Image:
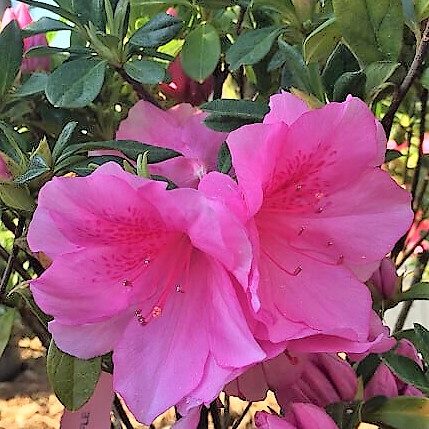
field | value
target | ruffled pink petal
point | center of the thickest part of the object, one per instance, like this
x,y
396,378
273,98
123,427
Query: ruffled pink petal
x,y
336,304
255,149
340,227
173,346
89,340
269,421
285,107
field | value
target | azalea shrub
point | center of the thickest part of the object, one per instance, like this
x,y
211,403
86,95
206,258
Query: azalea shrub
x,y
211,199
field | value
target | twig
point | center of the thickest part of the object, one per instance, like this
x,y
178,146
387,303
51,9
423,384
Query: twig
x,y
246,410
4,254
214,411
11,260
219,76
424,102
204,418
138,88
121,412
412,74
400,322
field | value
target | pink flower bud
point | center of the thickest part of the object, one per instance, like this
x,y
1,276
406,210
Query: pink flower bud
x,y
385,279
21,15
183,89
171,11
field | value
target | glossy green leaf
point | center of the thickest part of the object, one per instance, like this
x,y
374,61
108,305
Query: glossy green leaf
x,y
90,11
228,115
76,83
419,291
37,168
422,340
373,29
35,84
295,72
284,7
320,44
402,412
145,71
10,56
73,380
349,83
376,75
43,25
367,367
57,10
407,370
201,52
158,31
63,139
341,61
7,316
131,149
252,46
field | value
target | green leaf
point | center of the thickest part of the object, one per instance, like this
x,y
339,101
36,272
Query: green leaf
x,y
12,144
41,51
422,9
131,149
224,159
73,380
372,29
349,83
201,52
319,45
418,291
63,139
43,25
295,72
284,7
10,55
35,84
145,71
422,340
37,168
402,412
252,46
157,32
76,83
341,61
391,155
228,115
7,316
376,75
367,367
57,10
407,370
90,11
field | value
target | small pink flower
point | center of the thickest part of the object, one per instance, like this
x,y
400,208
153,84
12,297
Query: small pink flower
x,y
180,128
314,196
21,14
300,416
385,383
151,274
183,89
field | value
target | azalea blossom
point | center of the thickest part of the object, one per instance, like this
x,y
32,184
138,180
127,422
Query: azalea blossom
x,y
150,274
21,14
313,193
384,281
180,128
300,416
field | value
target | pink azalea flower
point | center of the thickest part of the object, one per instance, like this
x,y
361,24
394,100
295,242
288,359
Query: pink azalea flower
x,y
300,416
152,275
180,128
385,383
314,197
21,14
